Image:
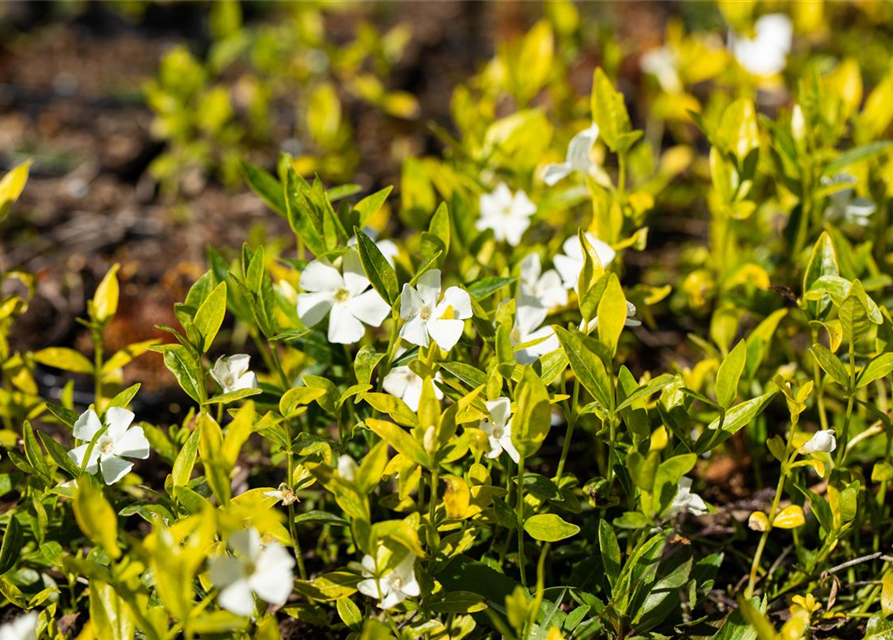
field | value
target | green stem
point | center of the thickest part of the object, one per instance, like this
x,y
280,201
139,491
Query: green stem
x,y
844,436
520,518
571,410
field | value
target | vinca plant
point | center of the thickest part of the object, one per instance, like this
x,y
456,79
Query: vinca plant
x,y
456,414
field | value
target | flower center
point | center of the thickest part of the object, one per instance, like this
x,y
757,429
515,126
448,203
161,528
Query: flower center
x,y
425,313
229,380
398,583
342,295
106,446
498,432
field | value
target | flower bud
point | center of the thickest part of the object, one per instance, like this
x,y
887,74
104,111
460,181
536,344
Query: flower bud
x,y
758,521
347,468
430,441
822,442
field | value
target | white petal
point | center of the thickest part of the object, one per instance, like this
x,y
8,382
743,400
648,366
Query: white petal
x,y
368,587
313,307
580,148
459,300
428,286
344,328
410,302
238,364
416,332
569,268
529,315
495,448
551,291
273,579
237,598
321,276
114,468
509,446
445,333
500,409
245,381
530,270
556,172
514,229
225,570
389,250
392,599
133,444
246,543
118,419
522,206
369,565
87,425
354,277
77,454
369,307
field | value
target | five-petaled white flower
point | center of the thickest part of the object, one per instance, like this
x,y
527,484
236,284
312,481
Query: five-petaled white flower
x,y
265,571
284,495
686,502
822,441
394,586
22,628
404,383
346,298
765,54
545,287
661,63
845,205
498,428
108,448
429,316
570,264
506,214
578,157
232,373
529,316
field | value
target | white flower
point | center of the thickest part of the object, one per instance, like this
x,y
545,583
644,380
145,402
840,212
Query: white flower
x,y
426,315
631,320
232,373
821,442
529,316
661,63
765,54
344,297
570,264
508,215
117,442
406,385
498,428
394,586
578,157
22,628
686,501
388,248
845,205
262,570
545,287
347,468
284,495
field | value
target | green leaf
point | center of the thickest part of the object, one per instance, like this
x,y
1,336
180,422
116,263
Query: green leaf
x,y
209,317
586,365
11,548
822,262
728,375
185,461
266,186
611,313
321,517
12,185
297,397
349,613
548,527
857,314
33,452
105,299
875,370
393,406
647,389
65,359
369,206
210,448
95,516
486,287
233,396
738,417
643,469
610,551
609,112
186,369
831,364
110,616
380,273
854,155
738,133
533,416
400,440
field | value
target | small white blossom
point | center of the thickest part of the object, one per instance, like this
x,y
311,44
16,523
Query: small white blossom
x,y
506,214
766,53
232,373
498,428
845,205
545,287
347,468
686,502
529,316
394,586
661,63
570,264
285,495
578,157
117,442
428,317
265,571
388,248
822,441
346,298
404,383
22,628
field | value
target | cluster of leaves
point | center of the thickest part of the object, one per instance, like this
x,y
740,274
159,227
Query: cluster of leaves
x,y
440,437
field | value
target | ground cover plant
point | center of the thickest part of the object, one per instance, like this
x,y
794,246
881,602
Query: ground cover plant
x,y
436,408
